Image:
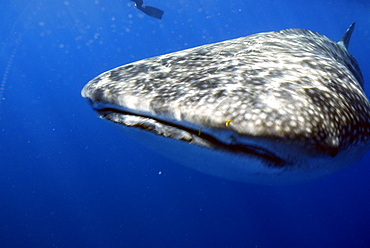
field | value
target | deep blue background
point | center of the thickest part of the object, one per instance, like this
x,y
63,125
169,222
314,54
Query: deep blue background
x,y
69,179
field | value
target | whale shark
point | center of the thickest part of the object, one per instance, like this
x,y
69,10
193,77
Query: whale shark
x,y
271,108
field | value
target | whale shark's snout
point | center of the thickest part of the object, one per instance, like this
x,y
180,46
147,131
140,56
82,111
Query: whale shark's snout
x,y
273,108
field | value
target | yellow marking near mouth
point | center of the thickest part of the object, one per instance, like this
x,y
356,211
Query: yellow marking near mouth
x,y
199,131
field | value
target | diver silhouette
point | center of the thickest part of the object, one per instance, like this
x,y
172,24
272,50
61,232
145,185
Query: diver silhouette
x,y
149,10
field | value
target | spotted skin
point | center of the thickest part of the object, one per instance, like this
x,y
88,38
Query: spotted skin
x,y
292,86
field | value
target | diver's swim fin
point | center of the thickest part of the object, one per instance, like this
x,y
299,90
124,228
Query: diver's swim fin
x,y
138,2
149,10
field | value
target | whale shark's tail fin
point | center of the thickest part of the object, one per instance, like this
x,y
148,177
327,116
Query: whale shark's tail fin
x,y
347,36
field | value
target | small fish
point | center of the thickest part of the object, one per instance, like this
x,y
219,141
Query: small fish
x,y
149,10
270,108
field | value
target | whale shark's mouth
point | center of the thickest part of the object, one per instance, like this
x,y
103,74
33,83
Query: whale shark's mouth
x,y
205,137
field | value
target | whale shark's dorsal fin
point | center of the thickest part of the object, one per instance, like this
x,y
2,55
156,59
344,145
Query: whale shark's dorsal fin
x,y
347,36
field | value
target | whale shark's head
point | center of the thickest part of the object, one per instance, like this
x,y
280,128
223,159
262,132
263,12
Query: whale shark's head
x,y
273,108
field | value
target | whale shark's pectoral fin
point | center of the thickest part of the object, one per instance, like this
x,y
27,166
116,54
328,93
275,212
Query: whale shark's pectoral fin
x,y
347,36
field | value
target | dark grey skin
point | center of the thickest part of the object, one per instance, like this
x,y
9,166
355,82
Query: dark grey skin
x,y
271,108
149,10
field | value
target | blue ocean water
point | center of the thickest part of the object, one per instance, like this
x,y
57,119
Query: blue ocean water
x,y
69,179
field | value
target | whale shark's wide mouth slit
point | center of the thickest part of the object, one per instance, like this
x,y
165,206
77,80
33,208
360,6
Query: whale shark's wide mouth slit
x,y
199,137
